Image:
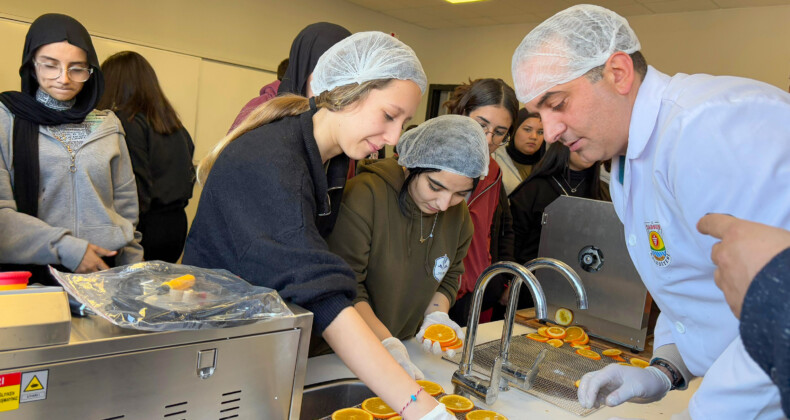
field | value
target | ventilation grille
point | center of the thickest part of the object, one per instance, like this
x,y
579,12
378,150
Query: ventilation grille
x,y
229,407
176,411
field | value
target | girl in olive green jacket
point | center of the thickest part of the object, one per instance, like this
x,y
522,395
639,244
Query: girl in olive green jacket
x,y
404,229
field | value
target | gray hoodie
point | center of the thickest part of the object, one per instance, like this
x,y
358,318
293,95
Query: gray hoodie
x,y
96,203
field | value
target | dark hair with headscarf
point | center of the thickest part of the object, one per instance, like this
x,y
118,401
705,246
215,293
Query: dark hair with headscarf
x,y
307,47
29,114
514,153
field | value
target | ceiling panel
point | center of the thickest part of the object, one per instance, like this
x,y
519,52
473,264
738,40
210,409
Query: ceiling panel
x,y
438,14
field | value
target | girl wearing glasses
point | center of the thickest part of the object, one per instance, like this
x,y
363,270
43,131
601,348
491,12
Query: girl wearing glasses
x,y
67,191
493,104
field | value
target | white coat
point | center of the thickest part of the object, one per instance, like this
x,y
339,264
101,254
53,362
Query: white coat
x,y
700,144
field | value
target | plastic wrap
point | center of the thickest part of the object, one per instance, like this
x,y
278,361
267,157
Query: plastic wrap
x,y
159,296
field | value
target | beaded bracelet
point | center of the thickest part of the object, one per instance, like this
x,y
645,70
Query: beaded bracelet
x,y
412,398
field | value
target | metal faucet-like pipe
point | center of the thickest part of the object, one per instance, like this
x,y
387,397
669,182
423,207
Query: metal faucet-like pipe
x,y
520,275
567,272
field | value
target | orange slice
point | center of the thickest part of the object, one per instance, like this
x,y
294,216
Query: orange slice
x,y
484,415
457,344
378,408
351,414
584,340
555,332
578,381
639,362
542,331
441,333
432,388
625,364
611,352
396,418
618,359
457,403
574,334
580,346
588,354
555,342
563,316
537,337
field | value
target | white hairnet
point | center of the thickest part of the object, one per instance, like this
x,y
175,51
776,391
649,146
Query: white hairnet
x,y
452,143
367,56
566,46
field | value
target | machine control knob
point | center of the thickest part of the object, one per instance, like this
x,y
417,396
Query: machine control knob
x,y
591,259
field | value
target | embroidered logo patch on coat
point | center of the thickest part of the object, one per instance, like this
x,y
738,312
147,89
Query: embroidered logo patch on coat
x,y
440,267
658,249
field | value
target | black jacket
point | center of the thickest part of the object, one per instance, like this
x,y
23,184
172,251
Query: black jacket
x,y
162,165
257,218
765,323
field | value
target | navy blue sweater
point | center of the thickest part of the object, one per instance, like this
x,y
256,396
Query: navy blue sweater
x,y
765,323
257,219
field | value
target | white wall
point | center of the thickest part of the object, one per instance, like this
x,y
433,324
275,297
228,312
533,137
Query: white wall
x,y
212,57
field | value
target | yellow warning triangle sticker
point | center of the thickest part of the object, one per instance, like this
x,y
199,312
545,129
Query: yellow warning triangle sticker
x,y
34,385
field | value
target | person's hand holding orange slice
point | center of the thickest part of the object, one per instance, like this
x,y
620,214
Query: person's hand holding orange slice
x,y
440,334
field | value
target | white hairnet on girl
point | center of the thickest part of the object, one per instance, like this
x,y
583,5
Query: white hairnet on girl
x,y
566,46
452,143
367,56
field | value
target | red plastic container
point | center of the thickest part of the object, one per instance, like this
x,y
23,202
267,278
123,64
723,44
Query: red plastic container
x,y
14,280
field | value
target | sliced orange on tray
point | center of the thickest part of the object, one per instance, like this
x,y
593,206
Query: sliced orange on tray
x,y
432,388
378,408
542,331
441,333
612,352
584,340
351,414
537,337
555,342
639,362
574,334
563,316
577,383
484,415
555,332
590,354
457,403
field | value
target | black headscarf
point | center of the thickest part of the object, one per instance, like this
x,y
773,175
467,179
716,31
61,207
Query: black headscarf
x,y
29,114
517,156
307,47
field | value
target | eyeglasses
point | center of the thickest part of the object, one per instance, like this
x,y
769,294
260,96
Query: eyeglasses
x,y
52,72
498,137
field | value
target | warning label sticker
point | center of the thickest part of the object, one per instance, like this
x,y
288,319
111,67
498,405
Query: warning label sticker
x,y
34,386
9,391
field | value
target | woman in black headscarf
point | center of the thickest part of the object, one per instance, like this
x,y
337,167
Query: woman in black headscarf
x,y
67,191
520,155
306,48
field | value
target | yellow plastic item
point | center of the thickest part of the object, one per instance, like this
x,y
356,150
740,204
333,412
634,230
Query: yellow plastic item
x,y
180,283
351,414
13,286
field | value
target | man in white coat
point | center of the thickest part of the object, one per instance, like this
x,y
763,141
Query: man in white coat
x,y
681,147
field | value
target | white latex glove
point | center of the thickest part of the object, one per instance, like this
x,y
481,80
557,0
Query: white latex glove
x,y
433,346
401,355
616,384
438,413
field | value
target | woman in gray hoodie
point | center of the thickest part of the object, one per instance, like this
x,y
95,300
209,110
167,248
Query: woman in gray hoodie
x,y
67,191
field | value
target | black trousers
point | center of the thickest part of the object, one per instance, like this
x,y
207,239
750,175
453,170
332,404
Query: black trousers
x,y
164,234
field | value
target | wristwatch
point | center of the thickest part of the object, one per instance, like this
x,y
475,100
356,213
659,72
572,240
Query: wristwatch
x,y
677,379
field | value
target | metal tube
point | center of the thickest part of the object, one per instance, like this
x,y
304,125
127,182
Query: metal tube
x,y
567,272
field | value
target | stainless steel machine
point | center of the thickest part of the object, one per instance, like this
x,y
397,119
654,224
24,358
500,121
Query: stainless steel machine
x,y
588,236
255,371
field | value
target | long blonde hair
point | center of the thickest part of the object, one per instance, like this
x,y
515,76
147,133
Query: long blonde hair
x,y
289,105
